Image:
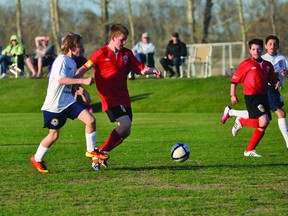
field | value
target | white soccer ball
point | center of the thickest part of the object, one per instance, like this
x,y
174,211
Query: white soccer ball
x,y
180,152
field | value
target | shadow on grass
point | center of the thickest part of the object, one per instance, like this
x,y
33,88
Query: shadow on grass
x,y
97,107
197,167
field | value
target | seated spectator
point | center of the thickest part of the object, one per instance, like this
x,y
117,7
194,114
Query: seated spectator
x,y
144,51
9,53
44,56
174,50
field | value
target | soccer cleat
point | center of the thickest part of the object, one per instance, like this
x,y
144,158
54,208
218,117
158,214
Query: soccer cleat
x,y
40,166
236,127
252,153
96,153
104,163
95,164
225,115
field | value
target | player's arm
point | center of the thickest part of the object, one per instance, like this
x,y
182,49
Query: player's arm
x,y
234,99
151,71
76,81
83,69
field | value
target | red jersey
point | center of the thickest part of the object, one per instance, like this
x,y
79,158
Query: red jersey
x,y
255,76
110,71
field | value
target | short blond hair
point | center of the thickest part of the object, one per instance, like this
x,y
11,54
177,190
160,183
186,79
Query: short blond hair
x,y
71,41
118,29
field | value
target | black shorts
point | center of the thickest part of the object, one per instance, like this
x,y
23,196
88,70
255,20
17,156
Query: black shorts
x,y
118,111
257,105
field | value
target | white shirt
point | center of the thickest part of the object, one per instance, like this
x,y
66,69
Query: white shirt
x,y
279,63
144,48
59,97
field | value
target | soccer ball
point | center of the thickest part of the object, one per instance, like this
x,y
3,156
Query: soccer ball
x,y
180,152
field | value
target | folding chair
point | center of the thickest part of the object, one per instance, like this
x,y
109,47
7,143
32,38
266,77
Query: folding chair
x,y
201,57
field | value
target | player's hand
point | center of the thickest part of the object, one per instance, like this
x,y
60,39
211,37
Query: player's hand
x,y
234,99
88,81
278,85
157,73
283,73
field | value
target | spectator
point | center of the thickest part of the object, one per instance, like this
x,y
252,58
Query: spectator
x,y
9,53
144,51
174,51
44,56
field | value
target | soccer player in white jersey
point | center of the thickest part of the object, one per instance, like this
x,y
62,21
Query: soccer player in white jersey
x,y
60,103
275,100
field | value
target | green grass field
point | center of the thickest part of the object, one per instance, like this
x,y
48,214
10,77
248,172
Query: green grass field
x,y
142,178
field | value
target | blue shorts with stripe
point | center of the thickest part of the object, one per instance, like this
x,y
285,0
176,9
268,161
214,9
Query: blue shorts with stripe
x,y
274,98
58,120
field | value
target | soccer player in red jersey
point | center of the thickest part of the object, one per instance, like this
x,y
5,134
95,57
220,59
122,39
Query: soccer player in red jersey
x,y
254,74
112,64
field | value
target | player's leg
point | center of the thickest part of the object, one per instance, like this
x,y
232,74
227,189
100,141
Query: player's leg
x,y
281,114
257,136
229,112
123,116
80,112
38,159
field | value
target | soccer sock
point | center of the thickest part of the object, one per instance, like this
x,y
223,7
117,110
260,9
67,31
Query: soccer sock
x,y
91,141
283,128
239,113
113,140
249,122
255,139
40,153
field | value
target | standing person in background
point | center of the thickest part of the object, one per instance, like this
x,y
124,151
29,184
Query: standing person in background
x,y
174,51
44,56
9,53
144,52
112,64
60,104
255,74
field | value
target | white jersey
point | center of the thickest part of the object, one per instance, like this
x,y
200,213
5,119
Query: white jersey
x,y
279,63
59,97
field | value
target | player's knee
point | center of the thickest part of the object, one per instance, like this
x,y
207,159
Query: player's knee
x,y
91,120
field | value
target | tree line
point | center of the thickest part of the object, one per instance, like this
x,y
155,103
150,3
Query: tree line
x,y
196,21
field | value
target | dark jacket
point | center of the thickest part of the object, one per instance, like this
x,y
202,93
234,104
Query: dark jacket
x,y
177,50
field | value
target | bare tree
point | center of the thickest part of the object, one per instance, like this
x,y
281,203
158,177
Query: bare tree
x,y
207,18
55,23
191,20
242,25
273,16
18,19
105,18
131,22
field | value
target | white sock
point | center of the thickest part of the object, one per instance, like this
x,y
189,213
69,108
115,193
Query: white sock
x,y
283,128
239,113
40,153
91,141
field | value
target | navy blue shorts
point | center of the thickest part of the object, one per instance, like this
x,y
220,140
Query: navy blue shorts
x,y
257,105
118,111
57,120
275,99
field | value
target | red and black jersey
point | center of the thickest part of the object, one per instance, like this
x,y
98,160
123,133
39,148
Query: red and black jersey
x,y
110,71
255,76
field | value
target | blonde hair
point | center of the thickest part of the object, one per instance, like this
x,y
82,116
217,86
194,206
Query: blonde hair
x,y
118,29
71,41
